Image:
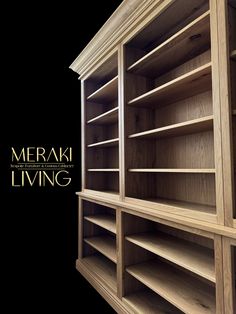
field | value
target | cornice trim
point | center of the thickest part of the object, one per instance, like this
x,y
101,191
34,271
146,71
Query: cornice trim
x,y
112,32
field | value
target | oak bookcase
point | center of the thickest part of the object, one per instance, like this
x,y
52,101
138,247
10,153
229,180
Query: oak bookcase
x,y
157,213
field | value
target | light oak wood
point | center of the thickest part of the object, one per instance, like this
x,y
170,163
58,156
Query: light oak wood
x,y
103,170
229,264
149,302
216,101
104,244
107,117
187,294
176,49
163,215
106,93
173,170
107,143
107,294
193,257
158,146
103,268
107,222
188,127
192,83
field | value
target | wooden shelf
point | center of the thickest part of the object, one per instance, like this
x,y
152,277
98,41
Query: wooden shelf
x,y
106,93
148,302
104,244
186,293
184,205
195,258
189,84
103,268
108,117
176,49
233,55
178,129
162,170
103,170
107,222
107,143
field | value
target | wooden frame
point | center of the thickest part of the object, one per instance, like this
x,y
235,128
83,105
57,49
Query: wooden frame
x,y
158,145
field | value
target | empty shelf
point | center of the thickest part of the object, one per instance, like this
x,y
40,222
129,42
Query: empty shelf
x,y
106,93
189,84
149,302
162,170
184,205
104,244
176,49
104,170
191,256
233,55
107,222
186,293
103,268
183,128
107,117
107,143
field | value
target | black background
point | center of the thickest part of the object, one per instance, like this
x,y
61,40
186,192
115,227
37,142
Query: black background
x,y
41,107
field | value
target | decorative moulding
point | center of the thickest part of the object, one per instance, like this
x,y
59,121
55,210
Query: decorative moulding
x,y
122,21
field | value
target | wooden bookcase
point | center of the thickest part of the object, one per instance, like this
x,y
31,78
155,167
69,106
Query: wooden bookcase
x,y
157,213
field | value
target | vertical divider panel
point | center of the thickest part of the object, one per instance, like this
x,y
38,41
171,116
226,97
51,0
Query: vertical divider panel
x,y
80,229
216,111
120,252
83,167
226,111
121,119
229,295
218,247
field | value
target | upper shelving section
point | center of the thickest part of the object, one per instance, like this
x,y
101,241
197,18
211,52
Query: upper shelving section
x,y
102,128
186,85
106,93
171,39
194,36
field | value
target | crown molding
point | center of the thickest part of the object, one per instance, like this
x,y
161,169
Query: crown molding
x,y
122,21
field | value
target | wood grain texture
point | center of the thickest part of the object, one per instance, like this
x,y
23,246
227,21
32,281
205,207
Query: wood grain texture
x,y
107,222
107,93
162,213
103,268
190,256
229,266
183,128
217,112
187,294
146,301
104,244
192,83
108,117
109,295
176,49
218,250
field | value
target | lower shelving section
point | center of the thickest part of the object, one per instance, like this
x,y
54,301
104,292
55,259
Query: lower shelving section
x,y
146,301
147,266
104,244
103,268
186,293
193,257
